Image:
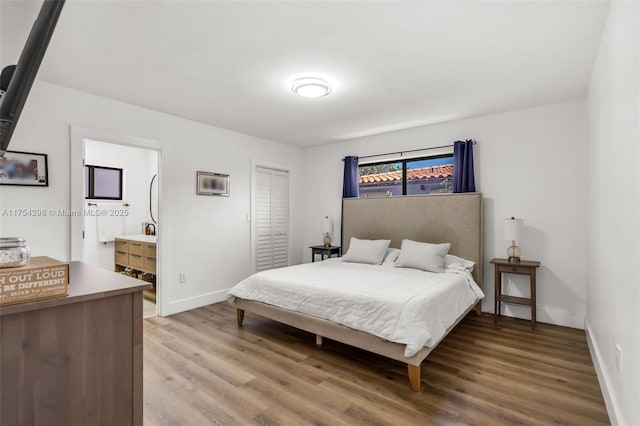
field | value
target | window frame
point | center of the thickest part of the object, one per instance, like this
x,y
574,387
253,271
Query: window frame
x,y
404,162
90,191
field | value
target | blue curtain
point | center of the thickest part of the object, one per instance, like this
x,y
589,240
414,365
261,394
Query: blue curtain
x,y
463,178
351,182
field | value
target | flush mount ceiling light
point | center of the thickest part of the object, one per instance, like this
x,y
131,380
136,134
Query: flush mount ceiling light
x,y
311,87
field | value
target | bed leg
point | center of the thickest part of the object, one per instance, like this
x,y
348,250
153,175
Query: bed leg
x,y
479,309
318,340
240,316
414,377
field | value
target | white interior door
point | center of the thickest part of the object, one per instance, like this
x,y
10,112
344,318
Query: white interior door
x,y
271,218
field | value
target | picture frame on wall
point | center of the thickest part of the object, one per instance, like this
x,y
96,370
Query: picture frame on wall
x,y
215,184
24,169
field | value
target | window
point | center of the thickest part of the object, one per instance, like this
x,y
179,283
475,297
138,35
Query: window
x,y
416,176
103,183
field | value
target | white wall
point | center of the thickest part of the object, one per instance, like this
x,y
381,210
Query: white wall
x,y
138,166
151,195
529,164
205,237
613,277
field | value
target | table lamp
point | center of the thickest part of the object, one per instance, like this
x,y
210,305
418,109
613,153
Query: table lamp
x,y
327,228
512,230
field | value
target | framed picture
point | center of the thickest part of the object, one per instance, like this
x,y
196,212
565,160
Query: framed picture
x,y
24,168
213,184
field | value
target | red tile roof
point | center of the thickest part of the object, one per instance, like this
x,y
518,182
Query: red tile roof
x,y
444,170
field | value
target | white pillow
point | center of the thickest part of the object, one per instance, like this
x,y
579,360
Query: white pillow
x,y
392,255
425,256
452,261
366,251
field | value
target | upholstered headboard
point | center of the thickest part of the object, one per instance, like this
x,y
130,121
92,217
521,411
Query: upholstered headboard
x,y
441,218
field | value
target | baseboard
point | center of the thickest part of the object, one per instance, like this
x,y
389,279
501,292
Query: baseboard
x,y
546,315
605,384
558,317
196,301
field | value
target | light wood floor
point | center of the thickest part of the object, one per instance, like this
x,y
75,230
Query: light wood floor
x,y
201,369
148,308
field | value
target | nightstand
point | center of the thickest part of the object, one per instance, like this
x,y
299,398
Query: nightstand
x,y
524,267
325,251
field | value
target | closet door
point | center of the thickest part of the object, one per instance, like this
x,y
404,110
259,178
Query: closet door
x,y
272,218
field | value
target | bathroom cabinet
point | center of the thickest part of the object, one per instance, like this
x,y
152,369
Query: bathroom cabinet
x,y
138,253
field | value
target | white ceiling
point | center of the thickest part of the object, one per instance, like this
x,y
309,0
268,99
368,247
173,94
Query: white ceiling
x,y
392,65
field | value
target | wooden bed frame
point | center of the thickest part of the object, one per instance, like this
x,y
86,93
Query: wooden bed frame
x,y
452,218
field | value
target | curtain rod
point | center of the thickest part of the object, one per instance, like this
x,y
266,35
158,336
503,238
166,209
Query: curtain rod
x,y
411,150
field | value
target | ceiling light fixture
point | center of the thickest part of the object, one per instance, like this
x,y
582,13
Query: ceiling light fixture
x,y
311,87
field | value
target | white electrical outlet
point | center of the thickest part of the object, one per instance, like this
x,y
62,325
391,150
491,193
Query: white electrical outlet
x,y
183,277
618,357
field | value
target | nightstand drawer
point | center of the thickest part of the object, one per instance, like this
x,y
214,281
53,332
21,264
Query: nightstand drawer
x,y
136,248
514,269
136,260
121,258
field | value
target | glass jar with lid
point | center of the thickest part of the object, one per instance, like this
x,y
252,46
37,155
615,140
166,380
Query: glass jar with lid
x,y
13,252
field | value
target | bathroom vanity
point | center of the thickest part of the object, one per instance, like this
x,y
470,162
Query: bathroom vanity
x,y
137,253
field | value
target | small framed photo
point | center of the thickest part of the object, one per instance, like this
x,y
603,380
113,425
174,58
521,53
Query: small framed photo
x,y
24,169
213,184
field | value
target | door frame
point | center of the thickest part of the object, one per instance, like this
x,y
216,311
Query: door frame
x,y
78,135
252,234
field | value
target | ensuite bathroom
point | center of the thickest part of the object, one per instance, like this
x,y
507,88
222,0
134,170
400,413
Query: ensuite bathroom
x,y
120,227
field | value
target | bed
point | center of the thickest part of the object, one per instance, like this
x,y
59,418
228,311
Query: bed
x,y
452,218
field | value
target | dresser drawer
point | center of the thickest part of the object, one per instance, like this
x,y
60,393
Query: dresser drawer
x,y
150,264
136,248
121,258
136,260
122,246
150,250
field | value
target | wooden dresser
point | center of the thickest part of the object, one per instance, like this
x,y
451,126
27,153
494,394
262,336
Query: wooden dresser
x,y
75,360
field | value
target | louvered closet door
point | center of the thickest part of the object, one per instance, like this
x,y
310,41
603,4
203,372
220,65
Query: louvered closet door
x,y
272,218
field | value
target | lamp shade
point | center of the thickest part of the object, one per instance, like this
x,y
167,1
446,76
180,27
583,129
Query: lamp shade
x,y
512,229
327,225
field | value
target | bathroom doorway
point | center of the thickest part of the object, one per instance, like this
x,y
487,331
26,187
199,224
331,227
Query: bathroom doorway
x,y
119,200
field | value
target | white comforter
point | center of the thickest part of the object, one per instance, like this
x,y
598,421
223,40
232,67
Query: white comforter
x,y
401,305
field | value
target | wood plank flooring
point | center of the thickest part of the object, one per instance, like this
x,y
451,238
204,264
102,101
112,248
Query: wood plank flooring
x,y
200,369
